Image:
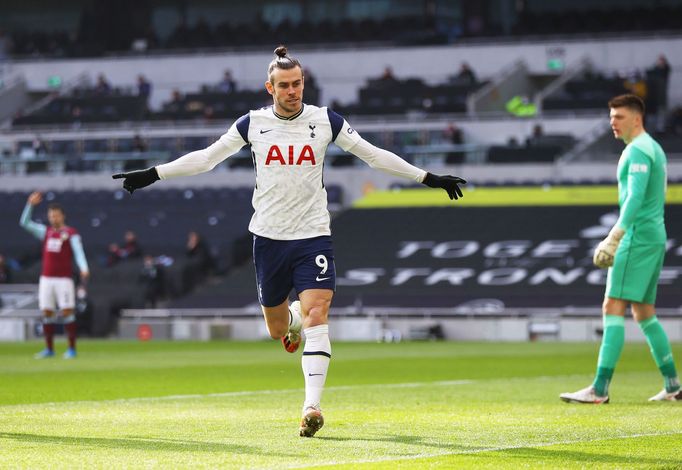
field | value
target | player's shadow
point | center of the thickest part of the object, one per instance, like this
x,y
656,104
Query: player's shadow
x,y
560,457
141,443
403,439
524,454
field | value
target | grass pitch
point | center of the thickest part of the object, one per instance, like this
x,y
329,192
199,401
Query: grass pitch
x,y
407,405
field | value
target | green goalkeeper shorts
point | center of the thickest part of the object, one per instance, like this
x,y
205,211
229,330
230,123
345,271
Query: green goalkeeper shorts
x,y
635,272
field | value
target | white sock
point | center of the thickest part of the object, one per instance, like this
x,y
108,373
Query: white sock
x,y
295,320
315,361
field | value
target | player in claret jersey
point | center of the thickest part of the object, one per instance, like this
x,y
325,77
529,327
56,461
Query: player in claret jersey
x,y
61,244
292,246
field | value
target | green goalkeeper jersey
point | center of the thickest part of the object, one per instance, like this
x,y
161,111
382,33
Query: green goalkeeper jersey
x,y
641,190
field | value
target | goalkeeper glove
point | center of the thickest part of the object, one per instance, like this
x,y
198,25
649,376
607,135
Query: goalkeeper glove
x,y
606,250
447,182
137,179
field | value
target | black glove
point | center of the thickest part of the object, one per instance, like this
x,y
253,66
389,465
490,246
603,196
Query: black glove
x,y
137,179
447,182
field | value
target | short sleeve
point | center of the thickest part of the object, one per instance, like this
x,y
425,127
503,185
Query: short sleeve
x,y
342,134
237,135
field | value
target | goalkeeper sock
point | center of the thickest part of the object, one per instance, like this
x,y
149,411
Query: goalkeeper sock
x,y
661,351
315,361
609,353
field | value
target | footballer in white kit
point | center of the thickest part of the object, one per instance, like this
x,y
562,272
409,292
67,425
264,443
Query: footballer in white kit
x,y
291,224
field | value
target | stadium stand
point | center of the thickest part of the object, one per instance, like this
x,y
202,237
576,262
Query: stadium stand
x,y
105,30
63,134
588,92
402,96
161,219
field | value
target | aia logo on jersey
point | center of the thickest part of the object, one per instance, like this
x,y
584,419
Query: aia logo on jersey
x,y
276,156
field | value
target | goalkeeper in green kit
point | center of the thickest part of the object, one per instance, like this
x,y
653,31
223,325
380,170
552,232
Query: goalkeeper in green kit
x,y
633,251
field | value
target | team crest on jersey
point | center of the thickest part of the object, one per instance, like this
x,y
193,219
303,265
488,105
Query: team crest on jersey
x,y
312,131
64,236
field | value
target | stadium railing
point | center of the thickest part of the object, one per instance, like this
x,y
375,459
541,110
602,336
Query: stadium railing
x,y
18,311
91,161
357,323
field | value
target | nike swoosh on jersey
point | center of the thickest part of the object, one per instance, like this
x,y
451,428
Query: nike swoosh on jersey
x,y
318,278
265,131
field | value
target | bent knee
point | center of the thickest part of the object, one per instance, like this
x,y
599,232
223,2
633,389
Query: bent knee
x,y
612,306
277,329
317,315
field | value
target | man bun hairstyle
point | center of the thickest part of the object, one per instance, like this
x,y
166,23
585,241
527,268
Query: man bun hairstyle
x,y
282,61
630,101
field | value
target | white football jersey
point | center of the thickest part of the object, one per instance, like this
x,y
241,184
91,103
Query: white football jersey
x,y
289,198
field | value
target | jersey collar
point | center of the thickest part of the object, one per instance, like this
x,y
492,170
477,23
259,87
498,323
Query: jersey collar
x,y
289,118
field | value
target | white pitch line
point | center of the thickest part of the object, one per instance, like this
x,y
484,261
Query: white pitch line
x,y
484,450
442,383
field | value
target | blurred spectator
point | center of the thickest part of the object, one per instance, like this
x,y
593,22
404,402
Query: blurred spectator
x,y
465,76
175,105
208,114
199,261
385,81
144,87
128,250
112,254
39,146
636,84
538,132
310,80
676,121
76,116
152,276
512,142
198,250
454,135
387,75
5,273
312,91
658,77
227,84
102,87
139,144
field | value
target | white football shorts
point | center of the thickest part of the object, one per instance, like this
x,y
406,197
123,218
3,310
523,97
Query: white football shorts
x,y
56,292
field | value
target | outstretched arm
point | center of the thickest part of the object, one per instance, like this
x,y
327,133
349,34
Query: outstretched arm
x,y
193,163
386,161
34,228
199,161
345,137
391,163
